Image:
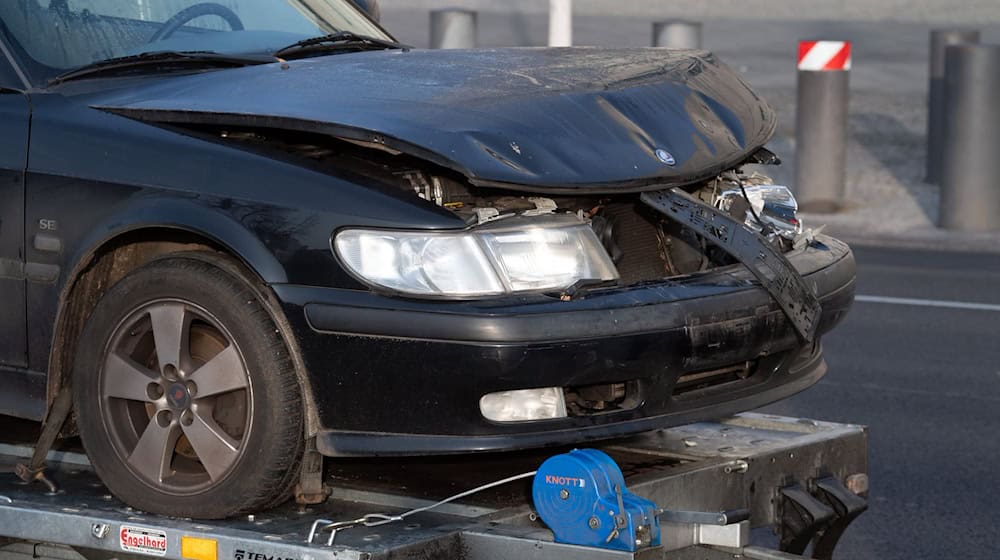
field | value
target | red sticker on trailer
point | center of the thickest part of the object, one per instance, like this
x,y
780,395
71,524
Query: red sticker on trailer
x,y
141,540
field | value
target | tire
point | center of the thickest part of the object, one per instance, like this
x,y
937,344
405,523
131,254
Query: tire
x,y
212,428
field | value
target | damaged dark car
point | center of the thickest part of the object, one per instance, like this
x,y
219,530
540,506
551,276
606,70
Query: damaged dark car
x,y
244,234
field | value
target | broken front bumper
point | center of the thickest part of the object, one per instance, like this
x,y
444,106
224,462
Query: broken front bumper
x,y
405,377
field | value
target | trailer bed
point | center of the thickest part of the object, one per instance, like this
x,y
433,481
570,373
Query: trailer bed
x,y
740,462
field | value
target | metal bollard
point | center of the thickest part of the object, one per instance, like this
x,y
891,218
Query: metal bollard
x,y
821,125
970,178
940,40
453,28
677,34
560,23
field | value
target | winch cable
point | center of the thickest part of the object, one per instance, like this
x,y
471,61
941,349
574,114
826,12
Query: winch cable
x,y
379,519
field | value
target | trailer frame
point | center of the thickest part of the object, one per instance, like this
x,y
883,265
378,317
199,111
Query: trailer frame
x,y
776,467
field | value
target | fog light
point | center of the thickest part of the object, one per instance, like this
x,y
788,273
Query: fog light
x,y
522,405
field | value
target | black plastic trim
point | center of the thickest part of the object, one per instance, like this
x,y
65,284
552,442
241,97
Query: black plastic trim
x,y
762,259
334,443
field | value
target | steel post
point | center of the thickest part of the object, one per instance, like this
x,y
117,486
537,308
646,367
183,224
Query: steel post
x,y
970,179
560,23
677,34
821,125
453,28
940,39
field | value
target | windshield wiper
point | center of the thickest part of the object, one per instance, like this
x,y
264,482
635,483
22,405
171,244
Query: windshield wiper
x,y
161,59
339,41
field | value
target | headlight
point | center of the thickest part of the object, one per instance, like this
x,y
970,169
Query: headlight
x,y
486,261
774,204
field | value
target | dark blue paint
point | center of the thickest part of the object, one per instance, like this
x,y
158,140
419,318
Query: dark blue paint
x,y
582,118
13,154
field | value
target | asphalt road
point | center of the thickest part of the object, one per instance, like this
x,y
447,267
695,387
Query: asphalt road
x,y
926,380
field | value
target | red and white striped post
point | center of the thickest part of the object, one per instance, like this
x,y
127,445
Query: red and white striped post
x,y
821,125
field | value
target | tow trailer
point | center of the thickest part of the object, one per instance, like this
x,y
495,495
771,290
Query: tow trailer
x,y
751,486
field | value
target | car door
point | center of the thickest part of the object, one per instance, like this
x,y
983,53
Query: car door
x,y
14,114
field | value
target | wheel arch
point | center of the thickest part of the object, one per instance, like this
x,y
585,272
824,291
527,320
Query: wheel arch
x,y
137,236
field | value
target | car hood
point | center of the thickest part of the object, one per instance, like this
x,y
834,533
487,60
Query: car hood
x,y
542,119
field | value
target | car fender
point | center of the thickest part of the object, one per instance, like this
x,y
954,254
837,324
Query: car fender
x,y
190,215
185,214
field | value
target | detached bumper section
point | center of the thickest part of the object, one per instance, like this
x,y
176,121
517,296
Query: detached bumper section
x,y
405,377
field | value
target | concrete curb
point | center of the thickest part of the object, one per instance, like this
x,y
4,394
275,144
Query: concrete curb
x,y
923,239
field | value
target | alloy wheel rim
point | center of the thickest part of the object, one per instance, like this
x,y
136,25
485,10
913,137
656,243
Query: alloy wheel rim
x,y
176,397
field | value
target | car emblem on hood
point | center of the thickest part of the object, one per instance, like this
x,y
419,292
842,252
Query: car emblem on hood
x,y
665,157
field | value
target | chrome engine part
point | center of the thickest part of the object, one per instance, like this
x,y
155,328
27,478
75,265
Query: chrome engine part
x,y
767,208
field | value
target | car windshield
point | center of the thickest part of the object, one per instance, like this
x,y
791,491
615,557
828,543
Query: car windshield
x,y
51,37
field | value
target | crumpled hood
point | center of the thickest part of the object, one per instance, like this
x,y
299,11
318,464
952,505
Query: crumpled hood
x,y
549,119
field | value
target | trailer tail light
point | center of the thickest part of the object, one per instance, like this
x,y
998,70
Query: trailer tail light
x,y
194,548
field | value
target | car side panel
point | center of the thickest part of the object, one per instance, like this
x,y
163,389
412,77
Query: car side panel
x,y
14,118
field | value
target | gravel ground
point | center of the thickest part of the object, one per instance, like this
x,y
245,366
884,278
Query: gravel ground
x,y
888,201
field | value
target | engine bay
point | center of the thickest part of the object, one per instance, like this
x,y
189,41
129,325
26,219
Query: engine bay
x,y
643,244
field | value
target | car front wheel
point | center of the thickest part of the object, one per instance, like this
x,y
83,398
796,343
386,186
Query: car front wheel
x,y
187,401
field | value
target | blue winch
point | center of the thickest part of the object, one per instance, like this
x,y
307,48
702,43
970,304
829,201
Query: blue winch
x,y
581,496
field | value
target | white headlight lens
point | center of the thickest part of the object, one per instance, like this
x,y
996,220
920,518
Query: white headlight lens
x,y
476,263
550,258
520,406
417,263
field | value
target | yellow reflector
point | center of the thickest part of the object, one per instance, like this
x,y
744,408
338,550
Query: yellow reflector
x,y
193,548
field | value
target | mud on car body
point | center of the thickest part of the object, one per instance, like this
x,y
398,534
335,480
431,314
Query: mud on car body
x,y
238,233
